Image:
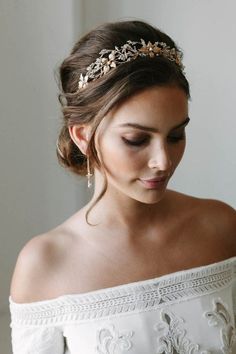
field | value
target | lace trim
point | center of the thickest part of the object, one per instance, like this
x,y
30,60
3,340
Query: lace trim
x,y
133,297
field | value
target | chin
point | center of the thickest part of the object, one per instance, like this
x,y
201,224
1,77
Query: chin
x,y
145,196
153,201
150,198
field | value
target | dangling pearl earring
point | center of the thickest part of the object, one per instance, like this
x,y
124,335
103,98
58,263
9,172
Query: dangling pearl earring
x,y
89,174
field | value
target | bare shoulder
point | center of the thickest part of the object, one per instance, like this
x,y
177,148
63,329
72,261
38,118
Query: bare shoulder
x,y
210,220
216,211
219,217
36,267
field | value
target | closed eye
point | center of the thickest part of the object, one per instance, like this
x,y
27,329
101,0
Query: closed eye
x,y
137,142
177,138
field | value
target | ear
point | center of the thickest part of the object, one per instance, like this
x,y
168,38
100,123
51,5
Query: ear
x,y
80,135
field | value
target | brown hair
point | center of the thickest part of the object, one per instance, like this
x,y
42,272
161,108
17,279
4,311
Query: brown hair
x,y
91,104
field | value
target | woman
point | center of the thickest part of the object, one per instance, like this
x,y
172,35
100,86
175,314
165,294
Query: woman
x,y
140,268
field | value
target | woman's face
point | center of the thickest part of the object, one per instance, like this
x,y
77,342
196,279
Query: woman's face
x,y
144,139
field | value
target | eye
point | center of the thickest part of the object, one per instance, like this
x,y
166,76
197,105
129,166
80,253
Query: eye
x,y
176,138
136,142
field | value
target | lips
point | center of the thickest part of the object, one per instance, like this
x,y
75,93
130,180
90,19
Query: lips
x,y
156,183
156,179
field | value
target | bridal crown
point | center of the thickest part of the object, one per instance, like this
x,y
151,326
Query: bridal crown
x,y
111,58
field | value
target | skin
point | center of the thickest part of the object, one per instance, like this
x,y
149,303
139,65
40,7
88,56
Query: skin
x,y
161,108
141,233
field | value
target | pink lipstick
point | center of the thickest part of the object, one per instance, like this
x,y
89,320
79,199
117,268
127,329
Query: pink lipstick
x,y
154,183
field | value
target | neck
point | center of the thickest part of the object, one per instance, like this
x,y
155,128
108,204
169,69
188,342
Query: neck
x,y
117,210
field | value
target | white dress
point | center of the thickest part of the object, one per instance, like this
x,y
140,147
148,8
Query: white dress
x,y
186,312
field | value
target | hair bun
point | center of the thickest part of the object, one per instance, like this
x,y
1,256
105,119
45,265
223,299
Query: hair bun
x,y
68,154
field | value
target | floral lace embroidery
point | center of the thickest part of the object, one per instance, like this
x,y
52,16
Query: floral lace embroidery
x,y
172,336
220,317
110,341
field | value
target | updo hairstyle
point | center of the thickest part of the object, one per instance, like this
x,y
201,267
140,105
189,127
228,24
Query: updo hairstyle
x,y
90,104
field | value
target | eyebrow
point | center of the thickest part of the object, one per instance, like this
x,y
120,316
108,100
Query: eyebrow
x,y
149,129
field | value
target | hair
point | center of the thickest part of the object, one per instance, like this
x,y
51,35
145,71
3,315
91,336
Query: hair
x,y
92,103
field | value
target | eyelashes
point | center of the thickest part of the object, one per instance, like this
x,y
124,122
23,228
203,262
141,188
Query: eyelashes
x,y
177,138
135,142
143,141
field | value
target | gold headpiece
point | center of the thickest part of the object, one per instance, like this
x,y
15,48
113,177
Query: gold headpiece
x,y
110,58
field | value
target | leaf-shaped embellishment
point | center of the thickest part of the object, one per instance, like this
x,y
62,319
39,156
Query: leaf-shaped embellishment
x,y
173,338
223,312
220,316
111,58
213,318
110,340
225,339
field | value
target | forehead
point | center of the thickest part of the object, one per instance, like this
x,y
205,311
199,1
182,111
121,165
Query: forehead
x,y
156,105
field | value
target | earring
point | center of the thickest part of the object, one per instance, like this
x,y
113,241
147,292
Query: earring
x,y
89,174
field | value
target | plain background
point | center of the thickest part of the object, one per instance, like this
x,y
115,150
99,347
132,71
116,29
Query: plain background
x,y
35,36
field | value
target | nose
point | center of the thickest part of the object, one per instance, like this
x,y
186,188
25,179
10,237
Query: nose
x,y
160,159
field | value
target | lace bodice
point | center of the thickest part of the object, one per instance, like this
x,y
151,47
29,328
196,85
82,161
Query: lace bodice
x,y
190,311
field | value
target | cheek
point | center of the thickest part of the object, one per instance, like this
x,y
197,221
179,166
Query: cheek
x,y
177,152
121,161
118,159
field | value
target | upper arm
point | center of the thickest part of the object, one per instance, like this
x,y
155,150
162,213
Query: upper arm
x,y
229,224
30,279
220,219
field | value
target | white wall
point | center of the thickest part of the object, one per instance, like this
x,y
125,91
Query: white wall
x,y
36,193
206,31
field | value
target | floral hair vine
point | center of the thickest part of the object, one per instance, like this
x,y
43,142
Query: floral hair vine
x,y
111,58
